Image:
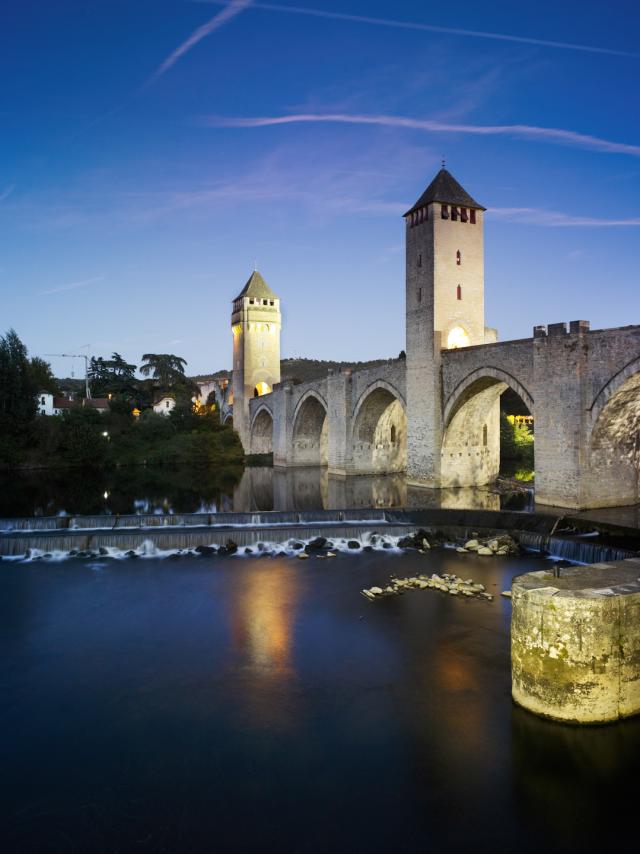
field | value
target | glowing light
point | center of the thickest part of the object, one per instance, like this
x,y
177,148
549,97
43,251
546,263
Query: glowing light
x,y
262,388
105,495
457,337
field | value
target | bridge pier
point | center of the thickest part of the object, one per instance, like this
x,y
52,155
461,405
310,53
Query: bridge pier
x,y
340,403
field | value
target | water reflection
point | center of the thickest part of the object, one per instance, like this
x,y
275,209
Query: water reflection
x,y
208,490
262,612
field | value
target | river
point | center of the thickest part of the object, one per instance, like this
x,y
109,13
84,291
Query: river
x,y
244,704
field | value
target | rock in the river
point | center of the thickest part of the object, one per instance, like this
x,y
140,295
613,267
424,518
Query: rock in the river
x,y
484,550
229,549
353,544
316,545
206,550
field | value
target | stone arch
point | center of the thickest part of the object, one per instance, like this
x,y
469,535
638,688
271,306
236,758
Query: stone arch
x,y
614,440
470,454
379,435
262,432
310,430
227,418
460,393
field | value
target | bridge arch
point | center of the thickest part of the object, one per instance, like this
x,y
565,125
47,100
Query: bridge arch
x,y
262,431
379,433
470,454
614,439
310,430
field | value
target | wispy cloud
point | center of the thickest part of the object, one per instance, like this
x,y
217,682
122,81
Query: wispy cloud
x,y
6,192
230,10
71,286
556,219
430,28
556,135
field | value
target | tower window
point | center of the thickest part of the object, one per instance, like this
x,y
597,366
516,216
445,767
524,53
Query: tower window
x,y
393,434
472,216
485,438
463,214
419,260
251,301
419,294
459,291
444,211
454,214
458,257
265,302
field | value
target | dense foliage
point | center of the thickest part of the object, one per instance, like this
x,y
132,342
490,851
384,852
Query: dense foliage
x,y
516,442
84,437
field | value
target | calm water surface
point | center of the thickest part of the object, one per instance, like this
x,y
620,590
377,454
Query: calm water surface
x,y
191,490
247,704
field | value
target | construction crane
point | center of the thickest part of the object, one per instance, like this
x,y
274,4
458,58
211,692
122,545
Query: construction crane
x,y
86,366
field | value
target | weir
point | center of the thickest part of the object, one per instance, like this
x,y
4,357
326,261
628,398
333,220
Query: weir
x,y
575,539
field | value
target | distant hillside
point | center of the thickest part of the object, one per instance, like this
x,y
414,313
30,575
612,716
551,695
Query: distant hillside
x,y
302,370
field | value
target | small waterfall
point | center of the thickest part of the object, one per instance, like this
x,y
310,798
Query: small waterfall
x,y
576,549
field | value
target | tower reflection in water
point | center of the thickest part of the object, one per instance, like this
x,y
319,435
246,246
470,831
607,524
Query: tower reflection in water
x,y
306,488
262,619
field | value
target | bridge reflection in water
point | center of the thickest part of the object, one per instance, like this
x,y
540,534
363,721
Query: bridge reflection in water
x,y
305,488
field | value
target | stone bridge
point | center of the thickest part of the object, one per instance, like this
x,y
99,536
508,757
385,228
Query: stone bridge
x,y
435,413
581,386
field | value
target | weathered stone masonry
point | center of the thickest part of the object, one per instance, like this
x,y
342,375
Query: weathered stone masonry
x,y
435,414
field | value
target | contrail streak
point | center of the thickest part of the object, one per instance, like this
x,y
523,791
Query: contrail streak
x,y
430,28
558,135
235,7
72,286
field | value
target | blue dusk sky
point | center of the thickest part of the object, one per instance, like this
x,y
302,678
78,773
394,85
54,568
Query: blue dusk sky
x,y
152,150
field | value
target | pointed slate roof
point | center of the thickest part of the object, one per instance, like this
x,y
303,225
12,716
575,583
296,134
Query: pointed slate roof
x,y
256,287
444,188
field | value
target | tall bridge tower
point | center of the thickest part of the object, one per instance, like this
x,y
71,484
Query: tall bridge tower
x,y
256,324
444,308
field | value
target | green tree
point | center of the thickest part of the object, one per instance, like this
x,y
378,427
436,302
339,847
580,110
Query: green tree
x,y
167,369
17,387
82,442
112,376
42,376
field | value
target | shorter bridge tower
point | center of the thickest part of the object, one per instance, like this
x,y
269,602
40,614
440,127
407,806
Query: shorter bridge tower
x,y
256,324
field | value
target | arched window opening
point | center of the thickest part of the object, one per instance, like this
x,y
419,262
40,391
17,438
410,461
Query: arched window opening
x,y
472,216
458,257
454,213
444,211
459,291
261,388
457,337
393,434
485,435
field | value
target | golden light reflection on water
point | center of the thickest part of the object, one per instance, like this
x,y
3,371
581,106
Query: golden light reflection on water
x,y
263,612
